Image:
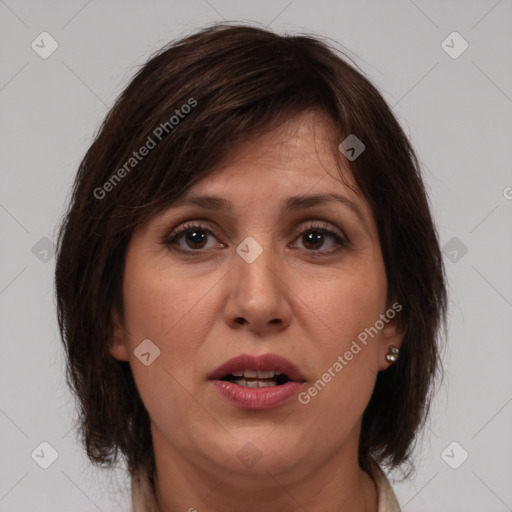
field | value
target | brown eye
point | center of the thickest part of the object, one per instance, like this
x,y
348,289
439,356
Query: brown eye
x,y
195,239
315,238
190,238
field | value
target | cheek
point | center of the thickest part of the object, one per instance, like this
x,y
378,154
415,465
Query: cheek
x,y
342,304
174,311
346,314
347,363
165,306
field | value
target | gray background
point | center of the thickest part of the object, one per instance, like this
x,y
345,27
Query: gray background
x,y
457,112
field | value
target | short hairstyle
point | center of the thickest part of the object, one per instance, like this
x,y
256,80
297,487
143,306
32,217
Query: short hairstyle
x,y
238,81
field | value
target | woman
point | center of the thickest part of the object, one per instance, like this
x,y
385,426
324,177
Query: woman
x,y
249,282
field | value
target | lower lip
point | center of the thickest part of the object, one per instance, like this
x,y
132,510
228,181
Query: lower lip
x,y
257,398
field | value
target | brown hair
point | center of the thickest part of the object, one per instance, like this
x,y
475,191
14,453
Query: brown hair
x,y
238,81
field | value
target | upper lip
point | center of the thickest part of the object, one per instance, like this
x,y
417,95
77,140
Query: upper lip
x,y
265,362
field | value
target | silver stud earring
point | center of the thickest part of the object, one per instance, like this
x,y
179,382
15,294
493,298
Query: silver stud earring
x,y
392,354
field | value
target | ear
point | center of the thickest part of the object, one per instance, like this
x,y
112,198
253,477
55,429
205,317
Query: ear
x,y
118,345
392,334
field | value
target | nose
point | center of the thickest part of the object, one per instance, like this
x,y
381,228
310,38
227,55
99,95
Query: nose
x,y
258,295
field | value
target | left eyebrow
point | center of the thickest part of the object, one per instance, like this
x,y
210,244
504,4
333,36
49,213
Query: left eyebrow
x,y
292,204
301,202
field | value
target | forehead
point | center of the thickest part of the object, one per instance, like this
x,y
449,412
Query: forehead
x,y
293,167
297,154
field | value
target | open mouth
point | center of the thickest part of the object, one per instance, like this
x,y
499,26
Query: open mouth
x,y
256,378
257,382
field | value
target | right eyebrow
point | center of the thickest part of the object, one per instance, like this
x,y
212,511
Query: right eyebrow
x,y
291,204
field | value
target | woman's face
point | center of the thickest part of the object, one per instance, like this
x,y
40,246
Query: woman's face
x,y
274,266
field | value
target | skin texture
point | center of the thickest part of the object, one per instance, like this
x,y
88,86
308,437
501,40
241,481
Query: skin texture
x,y
205,308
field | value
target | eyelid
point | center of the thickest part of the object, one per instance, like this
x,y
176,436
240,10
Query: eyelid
x,y
168,237
324,228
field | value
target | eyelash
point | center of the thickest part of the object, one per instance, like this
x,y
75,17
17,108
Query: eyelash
x,y
172,238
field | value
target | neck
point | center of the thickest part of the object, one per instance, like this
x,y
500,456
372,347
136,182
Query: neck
x,y
338,484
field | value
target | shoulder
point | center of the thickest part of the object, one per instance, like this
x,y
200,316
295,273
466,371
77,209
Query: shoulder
x,y
387,499
143,496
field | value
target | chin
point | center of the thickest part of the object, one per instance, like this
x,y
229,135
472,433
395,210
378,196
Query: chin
x,y
253,451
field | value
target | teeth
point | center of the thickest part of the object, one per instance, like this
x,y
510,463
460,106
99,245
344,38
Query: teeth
x,y
263,384
266,375
255,383
255,374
